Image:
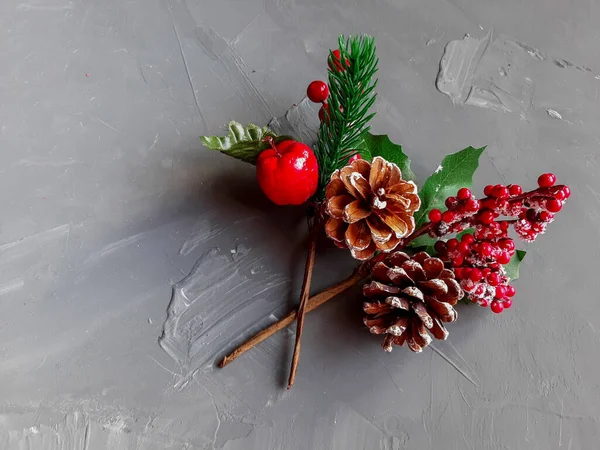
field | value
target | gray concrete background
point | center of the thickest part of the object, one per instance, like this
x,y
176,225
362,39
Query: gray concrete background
x,y
111,207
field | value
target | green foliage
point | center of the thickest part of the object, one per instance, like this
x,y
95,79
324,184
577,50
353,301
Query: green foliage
x,y
380,145
352,94
244,143
512,268
455,172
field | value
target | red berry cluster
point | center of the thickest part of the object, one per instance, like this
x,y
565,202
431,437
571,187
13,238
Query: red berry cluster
x,y
478,259
318,91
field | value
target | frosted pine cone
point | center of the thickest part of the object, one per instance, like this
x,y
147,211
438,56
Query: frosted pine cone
x,y
409,298
370,207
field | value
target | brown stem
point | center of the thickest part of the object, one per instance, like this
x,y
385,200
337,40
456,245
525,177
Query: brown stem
x,y
313,303
304,294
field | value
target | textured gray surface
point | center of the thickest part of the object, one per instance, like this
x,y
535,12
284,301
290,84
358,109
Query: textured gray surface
x,y
109,201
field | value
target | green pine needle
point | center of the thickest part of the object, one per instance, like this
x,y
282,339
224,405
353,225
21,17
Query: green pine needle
x,y
352,94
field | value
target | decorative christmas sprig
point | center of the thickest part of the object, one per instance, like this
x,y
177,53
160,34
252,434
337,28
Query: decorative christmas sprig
x,y
421,250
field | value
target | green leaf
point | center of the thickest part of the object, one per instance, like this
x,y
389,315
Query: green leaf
x,y
244,143
380,145
512,268
423,241
455,172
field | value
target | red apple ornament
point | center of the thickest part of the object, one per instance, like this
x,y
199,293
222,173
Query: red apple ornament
x,y
287,172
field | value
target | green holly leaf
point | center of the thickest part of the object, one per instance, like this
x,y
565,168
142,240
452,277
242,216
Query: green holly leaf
x,y
455,172
512,268
380,145
244,143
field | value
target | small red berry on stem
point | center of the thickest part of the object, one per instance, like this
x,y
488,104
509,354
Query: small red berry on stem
x,y
553,205
435,215
486,217
317,91
488,190
335,61
448,217
464,194
507,303
547,180
324,113
500,191
497,307
515,189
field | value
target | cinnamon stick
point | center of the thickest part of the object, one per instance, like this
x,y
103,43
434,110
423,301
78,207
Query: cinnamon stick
x,y
313,303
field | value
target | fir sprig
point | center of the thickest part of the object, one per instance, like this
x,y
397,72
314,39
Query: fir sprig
x,y
352,94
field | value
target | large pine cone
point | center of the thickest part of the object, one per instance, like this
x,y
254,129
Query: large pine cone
x,y
370,207
410,298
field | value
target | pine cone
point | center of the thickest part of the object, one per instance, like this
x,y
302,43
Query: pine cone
x,y
370,207
410,298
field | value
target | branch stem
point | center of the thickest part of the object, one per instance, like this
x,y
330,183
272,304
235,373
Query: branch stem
x,y
313,303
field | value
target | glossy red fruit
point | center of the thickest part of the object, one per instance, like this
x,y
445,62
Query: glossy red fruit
x,y
440,246
545,216
287,172
485,217
324,113
497,307
488,190
463,247
500,191
485,248
503,258
510,291
546,180
464,194
567,191
475,275
554,205
468,238
500,291
560,195
450,202
452,244
493,279
507,244
317,91
448,217
335,61
507,303
515,189
435,215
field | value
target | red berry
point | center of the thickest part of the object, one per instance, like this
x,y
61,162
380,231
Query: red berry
x,y
463,247
546,180
504,225
452,244
567,191
493,279
317,91
515,189
324,113
457,261
507,244
450,202
545,216
489,203
440,246
485,248
354,158
468,238
560,195
335,62
500,291
507,303
497,307
486,217
488,190
464,194
448,217
531,215
459,273
510,291
503,258
287,172
435,215
485,272
553,205
472,205
484,303
475,275
500,191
